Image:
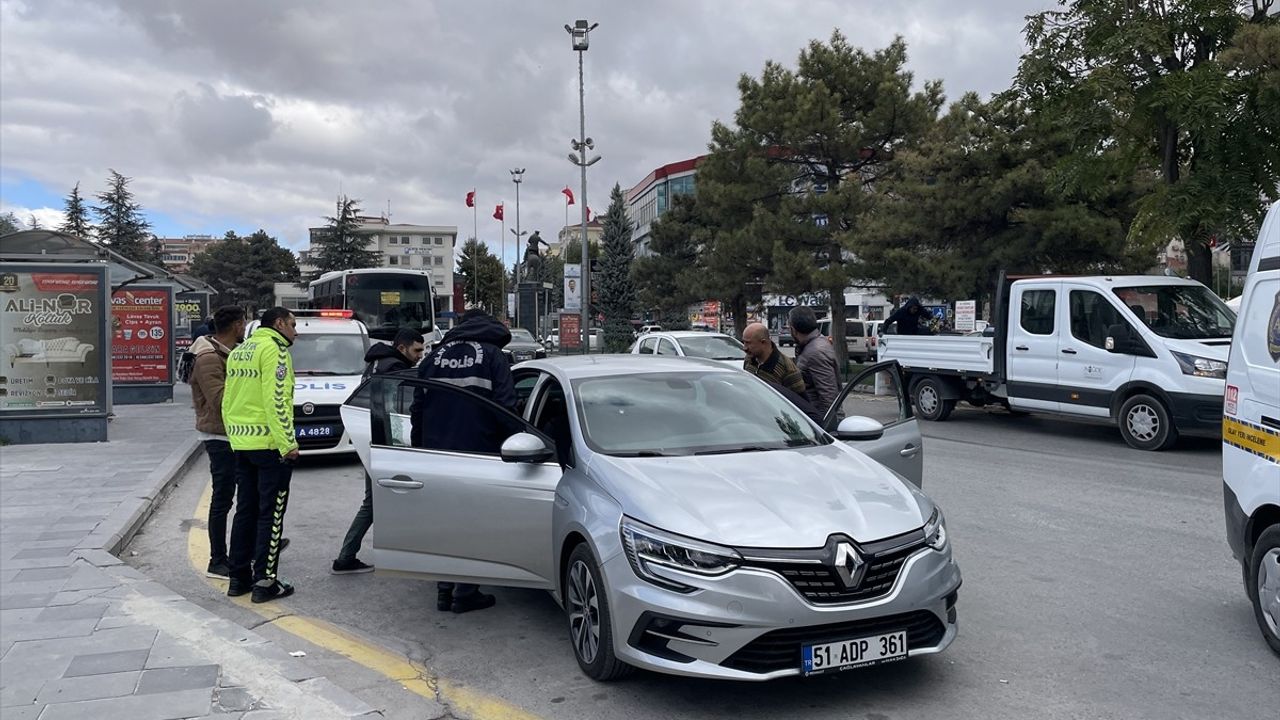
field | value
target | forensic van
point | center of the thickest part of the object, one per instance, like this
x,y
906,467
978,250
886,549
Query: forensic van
x,y
1251,433
328,362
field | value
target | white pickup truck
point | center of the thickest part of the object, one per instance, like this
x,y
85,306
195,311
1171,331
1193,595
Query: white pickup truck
x,y
1148,353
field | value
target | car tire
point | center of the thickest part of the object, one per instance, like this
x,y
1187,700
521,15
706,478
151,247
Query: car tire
x,y
590,622
1145,424
930,400
1264,590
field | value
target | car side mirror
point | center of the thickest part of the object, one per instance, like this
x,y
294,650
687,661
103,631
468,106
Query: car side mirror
x,y
526,448
1119,339
859,428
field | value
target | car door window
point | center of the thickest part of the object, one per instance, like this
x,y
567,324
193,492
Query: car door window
x,y
440,417
876,393
1037,311
524,384
551,417
1091,317
666,347
647,346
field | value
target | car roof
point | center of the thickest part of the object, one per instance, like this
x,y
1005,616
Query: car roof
x,y
677,334
574,367
326,326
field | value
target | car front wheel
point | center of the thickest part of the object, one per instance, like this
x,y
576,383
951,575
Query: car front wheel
x,y
590,623
1145,423
1264,566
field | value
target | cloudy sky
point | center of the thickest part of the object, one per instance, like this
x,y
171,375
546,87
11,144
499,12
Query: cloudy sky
x,y
242,114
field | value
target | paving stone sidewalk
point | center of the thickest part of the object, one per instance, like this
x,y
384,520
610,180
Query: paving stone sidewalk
x,y
82,635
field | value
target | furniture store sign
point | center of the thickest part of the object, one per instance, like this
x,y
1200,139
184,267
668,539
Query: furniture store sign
x,y
142,336
53,339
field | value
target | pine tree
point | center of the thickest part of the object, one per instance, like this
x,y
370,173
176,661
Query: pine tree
x,y
9,223
480,271
616,293
342,246
76,220
121,224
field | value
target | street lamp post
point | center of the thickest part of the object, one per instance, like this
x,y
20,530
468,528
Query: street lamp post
x,y
580,32
517,177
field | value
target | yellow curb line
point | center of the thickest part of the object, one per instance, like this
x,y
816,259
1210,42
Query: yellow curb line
x,y
412,676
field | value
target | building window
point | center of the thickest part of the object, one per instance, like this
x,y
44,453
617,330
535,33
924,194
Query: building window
x,y
393,260
439,260
439,241
426,240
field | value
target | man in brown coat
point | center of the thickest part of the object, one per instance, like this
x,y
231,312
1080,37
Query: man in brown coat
x,y
208,379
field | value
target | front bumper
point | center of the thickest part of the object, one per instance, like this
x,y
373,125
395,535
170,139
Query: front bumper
x,y
750,623
1197,414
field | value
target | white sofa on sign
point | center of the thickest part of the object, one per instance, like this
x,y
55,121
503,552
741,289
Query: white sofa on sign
x,y
57,350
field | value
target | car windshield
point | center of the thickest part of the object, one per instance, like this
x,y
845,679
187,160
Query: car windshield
x,y
688,413
714,347
328,354
1180,312
521,335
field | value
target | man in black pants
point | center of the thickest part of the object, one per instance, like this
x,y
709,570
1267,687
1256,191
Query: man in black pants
x,y
403,353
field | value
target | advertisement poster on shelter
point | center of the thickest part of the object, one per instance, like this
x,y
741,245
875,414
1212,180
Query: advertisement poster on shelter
x,y
142,336
191,309
52,336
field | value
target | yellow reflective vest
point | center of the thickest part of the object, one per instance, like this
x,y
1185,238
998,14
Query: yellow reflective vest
x,y
257,404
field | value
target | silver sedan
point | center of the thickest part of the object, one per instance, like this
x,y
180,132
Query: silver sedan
x,y
687,517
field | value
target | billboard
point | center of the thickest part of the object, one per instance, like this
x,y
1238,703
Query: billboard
x,y
53,340
191,308
572,286
142,336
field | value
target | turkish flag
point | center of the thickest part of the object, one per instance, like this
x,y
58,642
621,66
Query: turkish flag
x,y
497,212
568,194
471,199
588,213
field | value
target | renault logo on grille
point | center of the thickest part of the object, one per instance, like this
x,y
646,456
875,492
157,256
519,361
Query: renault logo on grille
x,y
848,564
308,408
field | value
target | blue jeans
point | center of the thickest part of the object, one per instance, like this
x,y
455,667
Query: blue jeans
x,y
222,469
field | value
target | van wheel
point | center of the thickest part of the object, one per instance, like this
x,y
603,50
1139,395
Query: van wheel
x,y
1264,566
590,622
1145,424
930,402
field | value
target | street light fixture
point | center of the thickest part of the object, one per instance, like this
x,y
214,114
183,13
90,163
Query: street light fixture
x,y
580,33
517,177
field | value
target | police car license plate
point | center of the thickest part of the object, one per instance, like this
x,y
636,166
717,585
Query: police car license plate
x,y
314,432
856,653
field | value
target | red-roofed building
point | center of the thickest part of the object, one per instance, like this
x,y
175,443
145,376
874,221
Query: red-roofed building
x,y
652,196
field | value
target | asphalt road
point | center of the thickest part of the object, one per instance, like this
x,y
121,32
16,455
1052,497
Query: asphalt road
x,y
1098,584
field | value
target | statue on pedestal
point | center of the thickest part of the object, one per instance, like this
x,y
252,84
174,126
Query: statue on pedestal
x,y
533,259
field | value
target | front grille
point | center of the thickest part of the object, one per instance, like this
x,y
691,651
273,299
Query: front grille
x,y
820,585
780,649
330,415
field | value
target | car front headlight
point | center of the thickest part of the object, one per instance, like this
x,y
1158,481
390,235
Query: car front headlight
x,y
935,531
650,549
1201,367
540,353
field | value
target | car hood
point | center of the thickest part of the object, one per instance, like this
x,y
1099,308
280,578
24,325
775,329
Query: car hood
x,y
775,499
324,389
1212,349
522,346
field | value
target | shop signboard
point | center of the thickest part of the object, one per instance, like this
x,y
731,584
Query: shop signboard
x,y
191,309
142,336
53,340
966,315
570,331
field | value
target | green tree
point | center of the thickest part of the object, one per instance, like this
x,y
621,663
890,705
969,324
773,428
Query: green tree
x,y
76,215
341,245
33,222
834,123
1143,86
9,223
480,272
121,224
245,270
666,276
978,195
616,293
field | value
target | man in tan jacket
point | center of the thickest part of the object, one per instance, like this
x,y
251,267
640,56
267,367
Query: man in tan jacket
x,y
208,379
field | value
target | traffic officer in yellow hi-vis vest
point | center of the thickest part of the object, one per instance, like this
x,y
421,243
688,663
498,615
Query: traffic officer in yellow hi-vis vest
x,y
257,409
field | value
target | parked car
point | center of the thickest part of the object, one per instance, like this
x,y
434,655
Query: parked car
x,y
688,518
1251,433
552,340
859,337
650,328
523,346
691,343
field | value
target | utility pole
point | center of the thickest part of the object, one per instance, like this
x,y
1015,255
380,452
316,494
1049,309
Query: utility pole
x,y
580,32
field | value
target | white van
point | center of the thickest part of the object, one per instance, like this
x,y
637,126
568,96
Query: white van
x,y
328,362
1251,433
1148,353
859,337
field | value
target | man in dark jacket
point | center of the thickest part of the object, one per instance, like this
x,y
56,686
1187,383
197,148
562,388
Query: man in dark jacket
x,y
908,317
469,357
403,353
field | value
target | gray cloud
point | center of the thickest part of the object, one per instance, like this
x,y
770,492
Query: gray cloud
x,y
262,112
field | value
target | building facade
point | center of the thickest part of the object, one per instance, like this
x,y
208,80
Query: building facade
x,y
572,234
651,197
179,253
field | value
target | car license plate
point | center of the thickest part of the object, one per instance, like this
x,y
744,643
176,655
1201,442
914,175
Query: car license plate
x,y
856,653
315,432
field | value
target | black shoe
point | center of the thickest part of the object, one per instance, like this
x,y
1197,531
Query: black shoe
x,y
274,591
444,600
218,569
284,543
238,587
474,601
350,567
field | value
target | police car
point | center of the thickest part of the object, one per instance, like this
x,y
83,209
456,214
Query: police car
x,y
328,361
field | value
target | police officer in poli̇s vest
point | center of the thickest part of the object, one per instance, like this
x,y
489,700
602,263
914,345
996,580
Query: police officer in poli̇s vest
x,y
257,409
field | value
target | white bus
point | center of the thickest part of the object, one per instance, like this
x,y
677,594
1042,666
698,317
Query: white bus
x,y
384,299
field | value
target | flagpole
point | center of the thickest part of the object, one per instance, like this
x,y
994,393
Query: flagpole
x,y
475,233
504,262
